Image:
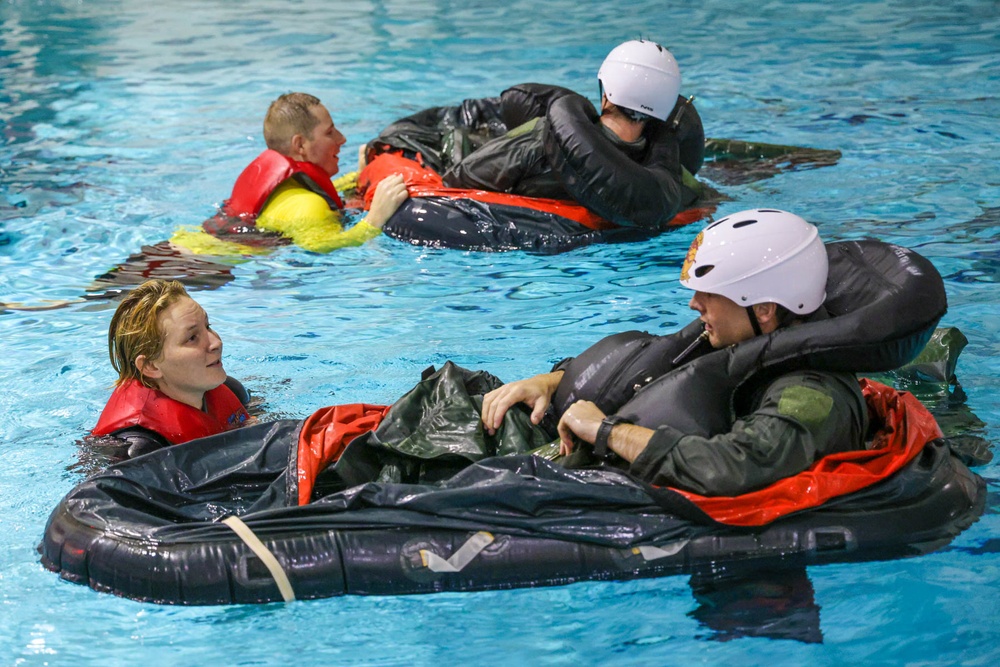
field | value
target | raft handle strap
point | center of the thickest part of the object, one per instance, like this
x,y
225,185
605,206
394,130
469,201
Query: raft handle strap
x,y
270,562
472,548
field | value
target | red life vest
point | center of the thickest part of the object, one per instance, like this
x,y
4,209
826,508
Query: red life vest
x,y
133,404
267,172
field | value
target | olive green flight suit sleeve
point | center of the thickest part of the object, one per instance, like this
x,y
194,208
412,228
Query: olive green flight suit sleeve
x,y
800,417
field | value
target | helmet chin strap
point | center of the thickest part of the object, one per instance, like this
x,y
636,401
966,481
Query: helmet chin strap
x,y
753,321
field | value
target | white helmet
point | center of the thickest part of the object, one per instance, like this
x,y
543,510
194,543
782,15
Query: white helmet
x,y
641,76
759,256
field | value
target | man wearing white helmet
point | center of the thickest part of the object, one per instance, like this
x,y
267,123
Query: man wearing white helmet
x,y
753,273
638,80
642,116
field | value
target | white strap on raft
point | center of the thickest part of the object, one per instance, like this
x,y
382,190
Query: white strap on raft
x,y
652,553
264,554
472,548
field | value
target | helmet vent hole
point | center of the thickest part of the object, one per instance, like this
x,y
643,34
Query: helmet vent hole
x,y
716,224
744,223
702,270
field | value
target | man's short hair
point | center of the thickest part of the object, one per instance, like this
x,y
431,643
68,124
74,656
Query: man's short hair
x,y
287,116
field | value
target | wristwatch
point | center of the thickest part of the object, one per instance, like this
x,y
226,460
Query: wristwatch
x,y
601,449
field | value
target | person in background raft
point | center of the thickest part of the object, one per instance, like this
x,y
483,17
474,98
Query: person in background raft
x,y
642,117
171,384
287,189
753,273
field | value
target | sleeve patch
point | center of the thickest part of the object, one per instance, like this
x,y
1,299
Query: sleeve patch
x,y
807,405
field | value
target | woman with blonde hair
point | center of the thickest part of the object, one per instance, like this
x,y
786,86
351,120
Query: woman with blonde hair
x,y
171,384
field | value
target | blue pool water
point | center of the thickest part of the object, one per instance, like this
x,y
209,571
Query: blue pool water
x,y
122,120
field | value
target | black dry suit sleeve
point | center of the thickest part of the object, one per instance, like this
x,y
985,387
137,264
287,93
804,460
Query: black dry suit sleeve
x,y
442,136
141,441
605,180
521,103
237,388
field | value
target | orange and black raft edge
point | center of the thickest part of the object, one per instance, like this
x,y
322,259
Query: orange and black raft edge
x,y
158,528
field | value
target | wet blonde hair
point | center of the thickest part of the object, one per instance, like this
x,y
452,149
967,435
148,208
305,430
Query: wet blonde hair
x,y
287,116
135,328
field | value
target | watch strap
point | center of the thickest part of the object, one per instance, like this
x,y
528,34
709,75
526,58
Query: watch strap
x,y
601,449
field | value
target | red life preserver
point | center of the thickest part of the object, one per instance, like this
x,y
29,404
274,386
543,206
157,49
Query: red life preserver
x,y
267,172
256,184
133,404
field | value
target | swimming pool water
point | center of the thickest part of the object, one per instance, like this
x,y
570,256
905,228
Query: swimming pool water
x,y
122,120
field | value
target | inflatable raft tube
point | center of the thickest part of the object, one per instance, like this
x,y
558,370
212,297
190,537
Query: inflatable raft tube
x,y
606,197
216,521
